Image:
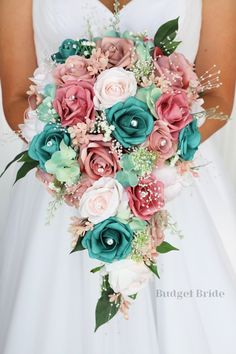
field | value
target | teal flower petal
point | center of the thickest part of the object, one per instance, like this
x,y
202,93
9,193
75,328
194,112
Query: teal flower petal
x,y
46,143
132,120
109,240
189,141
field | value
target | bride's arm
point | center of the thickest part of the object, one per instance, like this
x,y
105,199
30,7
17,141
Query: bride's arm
x,y
217,46
17,59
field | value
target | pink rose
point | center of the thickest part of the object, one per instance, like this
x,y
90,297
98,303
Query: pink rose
x,y
146,198
176,69
74,102
173,109
75,68
74,193
97,158
161,141
120,51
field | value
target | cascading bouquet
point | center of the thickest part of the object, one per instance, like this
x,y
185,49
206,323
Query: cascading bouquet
x,y
112,128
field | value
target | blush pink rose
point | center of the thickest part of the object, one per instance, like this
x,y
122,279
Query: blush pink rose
x,y
161,141
173,108
120,51
75,68
97,158
146,198
176,69
74,102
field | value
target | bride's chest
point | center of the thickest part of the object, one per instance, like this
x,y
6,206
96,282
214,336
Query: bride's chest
x,y
57,20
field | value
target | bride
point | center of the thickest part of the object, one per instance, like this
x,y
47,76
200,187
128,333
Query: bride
x,y
47,297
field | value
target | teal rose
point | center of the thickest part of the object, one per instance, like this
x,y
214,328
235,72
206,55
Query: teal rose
x,y
132,121
44,144
71,47
189,141
66,49
109,240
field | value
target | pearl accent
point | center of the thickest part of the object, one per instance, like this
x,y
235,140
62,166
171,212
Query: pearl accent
x,y
134,123
100,170
98,206
109,241
72,98
49,143
143,194
163,142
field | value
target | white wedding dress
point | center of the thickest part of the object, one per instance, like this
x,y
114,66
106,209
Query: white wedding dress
x,y
48,297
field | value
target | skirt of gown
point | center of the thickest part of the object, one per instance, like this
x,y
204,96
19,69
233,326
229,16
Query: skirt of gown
x,y
48,297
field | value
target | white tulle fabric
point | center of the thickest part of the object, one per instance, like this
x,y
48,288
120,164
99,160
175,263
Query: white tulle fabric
x,y
48,297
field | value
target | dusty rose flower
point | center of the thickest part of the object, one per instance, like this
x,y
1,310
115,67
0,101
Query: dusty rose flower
x,y
74,102
146,198
173,108
120,50
176,69
98,62
75,68
161,141
74,193
97,158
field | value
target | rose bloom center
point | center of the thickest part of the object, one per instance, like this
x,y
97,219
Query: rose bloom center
x,y
115,89
99,203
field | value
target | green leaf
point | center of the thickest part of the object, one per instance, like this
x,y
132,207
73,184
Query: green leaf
x,y
168,29
153,268
165,35
97,269
165,247
79,246
14,160
133,297
105,310
171,47
26,158
25,168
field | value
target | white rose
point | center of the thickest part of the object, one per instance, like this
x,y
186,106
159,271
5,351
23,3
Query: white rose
x,y
127,277
43,76
102,200
112,86
32,126
169,176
